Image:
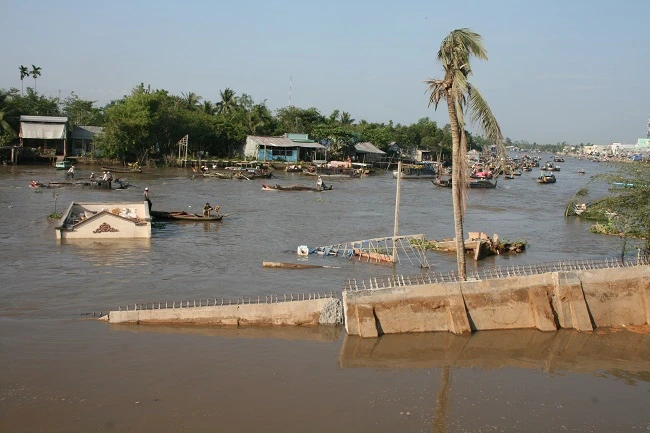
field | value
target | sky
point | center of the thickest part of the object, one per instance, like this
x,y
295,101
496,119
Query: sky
x,y
558,70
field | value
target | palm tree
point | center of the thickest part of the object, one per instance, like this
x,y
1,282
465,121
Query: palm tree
x,y
24,72
346,119
454,55
191,100
36,72
208,108
228,102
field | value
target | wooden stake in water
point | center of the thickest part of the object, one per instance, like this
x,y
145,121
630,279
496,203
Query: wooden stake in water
x,y
396,227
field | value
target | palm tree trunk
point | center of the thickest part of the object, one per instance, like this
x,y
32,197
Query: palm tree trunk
x,y
457,186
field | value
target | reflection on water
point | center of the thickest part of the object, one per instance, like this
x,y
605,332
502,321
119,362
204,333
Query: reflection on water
x,y
119,253
619,353
326,334
62,375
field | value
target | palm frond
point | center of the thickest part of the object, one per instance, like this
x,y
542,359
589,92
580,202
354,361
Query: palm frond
x,y
436,90
481,113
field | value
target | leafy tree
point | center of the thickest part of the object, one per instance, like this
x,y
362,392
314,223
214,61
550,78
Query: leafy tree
x,y
81,112
142,123
298,120
31,104
24,73
257,119
7,133
340,141
454,55
378,134
35,72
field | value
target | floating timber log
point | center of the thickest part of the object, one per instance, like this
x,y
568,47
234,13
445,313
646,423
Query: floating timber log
x,y
294,265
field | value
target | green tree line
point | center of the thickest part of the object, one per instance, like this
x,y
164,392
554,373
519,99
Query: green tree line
x,y
148,123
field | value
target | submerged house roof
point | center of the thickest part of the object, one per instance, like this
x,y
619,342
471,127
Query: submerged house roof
x,y
367,147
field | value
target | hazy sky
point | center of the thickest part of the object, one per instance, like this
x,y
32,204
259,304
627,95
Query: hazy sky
x,y
558,70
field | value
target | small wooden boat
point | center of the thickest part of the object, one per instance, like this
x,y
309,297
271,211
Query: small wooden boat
x,y
581,171
482,183
132,169
444,183
475,183
218,174
266,187
86,183
183,216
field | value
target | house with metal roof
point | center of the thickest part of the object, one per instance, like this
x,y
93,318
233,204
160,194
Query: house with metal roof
x,y
288,147
82,139
368,152
46,134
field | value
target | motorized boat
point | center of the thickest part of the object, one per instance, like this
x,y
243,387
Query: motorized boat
x,y
424,170
474,183
546,178
183,216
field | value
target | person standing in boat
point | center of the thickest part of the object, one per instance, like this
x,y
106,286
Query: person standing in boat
x,y
92,176
109,178
146,197
319,183
206,210
71,172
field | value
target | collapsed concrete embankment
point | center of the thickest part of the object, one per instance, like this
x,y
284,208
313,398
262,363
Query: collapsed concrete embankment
x,y
324,311
578,299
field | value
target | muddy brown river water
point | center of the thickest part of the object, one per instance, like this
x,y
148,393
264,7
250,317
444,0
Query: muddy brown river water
x,y
64,373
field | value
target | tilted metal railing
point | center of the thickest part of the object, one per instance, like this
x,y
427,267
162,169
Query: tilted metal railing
x,y
395,281
217,302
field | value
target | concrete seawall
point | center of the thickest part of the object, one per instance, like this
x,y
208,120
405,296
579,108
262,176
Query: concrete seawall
x,y
577,299
324,311
578,295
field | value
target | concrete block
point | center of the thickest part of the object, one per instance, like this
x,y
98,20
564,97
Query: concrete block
x,y
366,323
645,295
578,310
541,309
457,313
